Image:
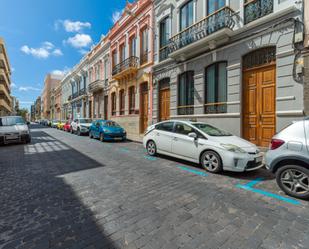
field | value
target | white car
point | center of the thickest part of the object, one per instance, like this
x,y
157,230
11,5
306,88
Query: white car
x,y
14,129
214,149
288,158
80,126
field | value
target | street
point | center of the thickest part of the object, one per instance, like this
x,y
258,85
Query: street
x,y
66,191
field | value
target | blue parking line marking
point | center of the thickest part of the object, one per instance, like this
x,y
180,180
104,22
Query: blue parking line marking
x,y
125,150
150,158
197,172
249,187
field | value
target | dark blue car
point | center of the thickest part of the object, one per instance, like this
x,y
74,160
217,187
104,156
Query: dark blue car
x,y
107,130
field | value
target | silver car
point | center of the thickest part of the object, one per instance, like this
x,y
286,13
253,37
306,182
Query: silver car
x,y
14,129
288,158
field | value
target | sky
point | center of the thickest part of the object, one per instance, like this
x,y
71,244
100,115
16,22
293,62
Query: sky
x,y
43,36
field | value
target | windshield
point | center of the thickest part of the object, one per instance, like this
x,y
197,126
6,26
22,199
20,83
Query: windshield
x,y
10,121
212,131
112,124
85,121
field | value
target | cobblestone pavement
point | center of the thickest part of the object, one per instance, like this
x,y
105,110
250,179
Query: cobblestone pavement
x,y
65,191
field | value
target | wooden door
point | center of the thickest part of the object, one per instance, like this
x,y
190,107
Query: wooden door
x,y
259,105
106,107
144,108
164,104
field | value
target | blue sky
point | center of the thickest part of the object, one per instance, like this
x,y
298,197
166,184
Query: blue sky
x,y
44,36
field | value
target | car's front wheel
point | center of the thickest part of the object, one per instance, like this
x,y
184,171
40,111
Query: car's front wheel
x,y
151,148
211,162
294,180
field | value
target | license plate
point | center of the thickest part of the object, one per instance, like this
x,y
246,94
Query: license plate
x,y
259,159
11,137
118,138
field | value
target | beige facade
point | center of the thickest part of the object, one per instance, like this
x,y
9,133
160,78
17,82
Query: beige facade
x,y
38,108
50,83
5,82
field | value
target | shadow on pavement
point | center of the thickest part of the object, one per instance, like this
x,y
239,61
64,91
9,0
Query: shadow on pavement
x,y
39,209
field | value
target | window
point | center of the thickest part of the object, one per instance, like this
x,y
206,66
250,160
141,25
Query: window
x,y
186,15
164,32
113,96
216,88
214,5
133,46
183,129
122,50
144,46
131,100
97,72
105,70
186,93
114,58
122,101
166,126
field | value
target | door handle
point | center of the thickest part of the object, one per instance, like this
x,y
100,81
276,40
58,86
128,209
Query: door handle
x,y
175,139
158,134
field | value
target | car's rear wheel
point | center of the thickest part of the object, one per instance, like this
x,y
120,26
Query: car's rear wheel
x,y
101,137
72,131
90,135
151,148
294,180
211,162
78,132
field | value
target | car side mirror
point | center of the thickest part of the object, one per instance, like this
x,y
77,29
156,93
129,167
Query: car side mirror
x,y
28,123
192,135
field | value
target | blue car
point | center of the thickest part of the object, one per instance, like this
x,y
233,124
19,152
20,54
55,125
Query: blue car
x,y
107,130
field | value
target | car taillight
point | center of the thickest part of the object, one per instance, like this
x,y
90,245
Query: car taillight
x,y
276,143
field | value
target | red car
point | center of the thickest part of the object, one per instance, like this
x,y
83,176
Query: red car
x,y
67,126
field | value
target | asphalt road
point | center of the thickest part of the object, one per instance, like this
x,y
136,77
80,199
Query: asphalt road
x,y
65,191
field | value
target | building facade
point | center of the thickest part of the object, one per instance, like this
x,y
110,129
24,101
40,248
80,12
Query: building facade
x,y
229,63
79,83
5,82
32,113
66,96
131,55
38,108
48,97
99,76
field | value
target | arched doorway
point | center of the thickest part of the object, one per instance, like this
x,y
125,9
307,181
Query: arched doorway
x,y
164,99
259,96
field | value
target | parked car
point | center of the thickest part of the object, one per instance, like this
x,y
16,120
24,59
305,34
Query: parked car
x,y
60,124
288,158
67,126
214,149
14,129
107,130
54,123
80,126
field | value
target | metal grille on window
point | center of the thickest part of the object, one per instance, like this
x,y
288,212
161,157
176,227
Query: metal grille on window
x,y
259,57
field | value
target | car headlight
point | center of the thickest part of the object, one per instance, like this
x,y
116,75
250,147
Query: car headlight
x,y
233,148
105,131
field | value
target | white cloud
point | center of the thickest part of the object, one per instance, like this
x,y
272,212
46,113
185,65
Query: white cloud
x,y
83,51
77,26
79,41
43,52
61,72
116,16
13,85
13,69
57,52
28,88
26,102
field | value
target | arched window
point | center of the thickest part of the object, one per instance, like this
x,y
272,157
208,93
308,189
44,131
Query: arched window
x,y
131,100
121,102
216,88
186,93
113,105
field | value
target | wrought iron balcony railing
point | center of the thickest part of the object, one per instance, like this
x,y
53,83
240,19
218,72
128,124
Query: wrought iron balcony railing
x,y
212,108
82,92
131,62
185,110
74,95
255,9
220,19
163,53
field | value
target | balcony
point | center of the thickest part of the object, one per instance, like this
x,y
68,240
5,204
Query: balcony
x,y
126,68
96,86
255,9
4,76
213,30
144,58
5,104
163,53
5,90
